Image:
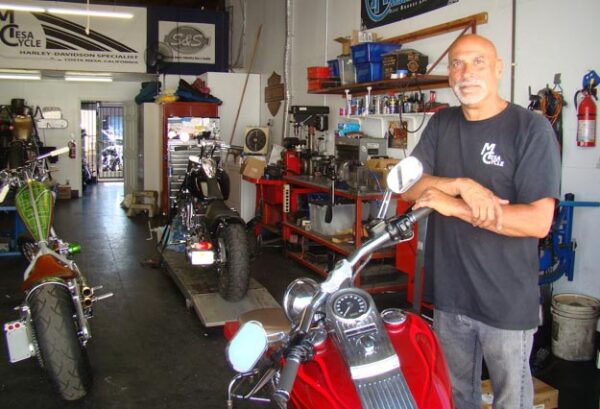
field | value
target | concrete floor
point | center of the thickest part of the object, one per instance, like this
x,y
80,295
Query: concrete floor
x,y
148,350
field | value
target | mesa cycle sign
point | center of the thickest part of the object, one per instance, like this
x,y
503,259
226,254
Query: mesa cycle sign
x,y
190,43
375,13
34,40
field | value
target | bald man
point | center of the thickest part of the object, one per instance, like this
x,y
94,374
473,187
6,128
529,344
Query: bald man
x,y
492,177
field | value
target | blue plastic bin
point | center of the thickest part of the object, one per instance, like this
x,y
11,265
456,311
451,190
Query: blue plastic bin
x,y
371,52
334,68
367,72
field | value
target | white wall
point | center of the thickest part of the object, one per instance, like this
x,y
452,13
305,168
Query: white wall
x,y
546,44
539,56
68,97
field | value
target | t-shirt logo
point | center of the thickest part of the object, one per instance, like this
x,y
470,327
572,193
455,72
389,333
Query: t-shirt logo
x,y
489,157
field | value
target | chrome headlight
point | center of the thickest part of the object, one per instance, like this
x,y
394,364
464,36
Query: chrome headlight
x,y
297,296
209,166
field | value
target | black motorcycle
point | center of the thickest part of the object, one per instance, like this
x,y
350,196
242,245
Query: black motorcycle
x,y
214,234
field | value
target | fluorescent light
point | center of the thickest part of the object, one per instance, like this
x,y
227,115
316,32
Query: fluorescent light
x,y
88,78
73,12
15,7
20,75
91,13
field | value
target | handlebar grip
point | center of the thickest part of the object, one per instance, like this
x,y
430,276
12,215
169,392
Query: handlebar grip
x,y
288,377
421,213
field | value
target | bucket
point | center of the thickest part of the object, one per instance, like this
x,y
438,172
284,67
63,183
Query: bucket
x,y
574,319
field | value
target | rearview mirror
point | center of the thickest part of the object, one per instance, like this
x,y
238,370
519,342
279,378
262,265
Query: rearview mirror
x,y
404,174
247,346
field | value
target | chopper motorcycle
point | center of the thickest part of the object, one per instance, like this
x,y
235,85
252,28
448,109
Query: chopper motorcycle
x,y
332,348
53,323
214,234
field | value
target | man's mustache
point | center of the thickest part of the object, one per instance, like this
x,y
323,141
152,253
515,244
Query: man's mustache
x,y
470,83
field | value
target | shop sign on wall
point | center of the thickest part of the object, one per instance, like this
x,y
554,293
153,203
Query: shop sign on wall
x,y
49,41
189,43
375,13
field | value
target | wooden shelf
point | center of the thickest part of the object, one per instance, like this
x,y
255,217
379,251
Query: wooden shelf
x,y
411,83
416,82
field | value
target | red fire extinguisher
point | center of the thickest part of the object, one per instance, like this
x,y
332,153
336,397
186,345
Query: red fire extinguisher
x,y
586,118
586,110
72,149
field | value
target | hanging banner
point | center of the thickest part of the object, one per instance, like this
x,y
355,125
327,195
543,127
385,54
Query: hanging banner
x,y
185,42
375,13
58,42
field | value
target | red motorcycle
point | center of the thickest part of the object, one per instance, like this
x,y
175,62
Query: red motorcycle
x,y
332,348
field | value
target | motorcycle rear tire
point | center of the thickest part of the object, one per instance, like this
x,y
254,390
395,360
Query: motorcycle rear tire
x,y
63,357
234,276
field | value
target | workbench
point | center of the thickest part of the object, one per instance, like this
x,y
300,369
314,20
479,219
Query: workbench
x,y
404,254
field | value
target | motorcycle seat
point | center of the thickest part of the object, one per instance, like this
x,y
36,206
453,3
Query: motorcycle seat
x,y
47,266
217,210
273,320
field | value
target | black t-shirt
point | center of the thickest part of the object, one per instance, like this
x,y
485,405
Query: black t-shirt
x,y
487,276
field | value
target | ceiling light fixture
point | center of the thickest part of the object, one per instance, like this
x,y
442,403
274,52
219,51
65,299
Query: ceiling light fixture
x,y
91,13
20,75
69,11
88,78
16,7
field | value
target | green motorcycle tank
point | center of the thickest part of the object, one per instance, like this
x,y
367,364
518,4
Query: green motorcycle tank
x,y
34,203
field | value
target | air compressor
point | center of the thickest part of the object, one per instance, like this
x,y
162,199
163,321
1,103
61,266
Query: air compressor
x,y
586,110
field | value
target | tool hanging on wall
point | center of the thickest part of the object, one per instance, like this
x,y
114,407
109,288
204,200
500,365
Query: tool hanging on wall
x,y
550,102
586,110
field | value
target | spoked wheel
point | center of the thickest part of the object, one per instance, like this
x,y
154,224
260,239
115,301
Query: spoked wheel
x,y
234,275
62,355
27,246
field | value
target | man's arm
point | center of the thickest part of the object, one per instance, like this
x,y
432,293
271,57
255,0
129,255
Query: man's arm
x,y
518,220
485,207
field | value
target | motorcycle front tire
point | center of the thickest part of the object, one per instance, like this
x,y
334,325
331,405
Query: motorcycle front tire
x,y
234,276
63,357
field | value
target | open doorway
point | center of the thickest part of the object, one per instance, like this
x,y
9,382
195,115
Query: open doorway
x,y
102,135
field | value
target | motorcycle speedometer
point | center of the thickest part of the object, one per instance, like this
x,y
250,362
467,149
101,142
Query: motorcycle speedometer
x,y
350,305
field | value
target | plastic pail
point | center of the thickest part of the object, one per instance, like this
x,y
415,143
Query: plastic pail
x,y
574,319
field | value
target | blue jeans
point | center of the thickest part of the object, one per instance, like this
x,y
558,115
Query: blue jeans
x,y
506,352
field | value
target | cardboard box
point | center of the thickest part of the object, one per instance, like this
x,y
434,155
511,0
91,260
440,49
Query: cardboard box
x,y
382,163
64,192
253,168
356,37
546,397
379,169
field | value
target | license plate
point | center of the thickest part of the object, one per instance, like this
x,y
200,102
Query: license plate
x,y
202,257
18,341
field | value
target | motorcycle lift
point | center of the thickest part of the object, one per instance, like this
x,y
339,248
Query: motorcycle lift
x,y
200,288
